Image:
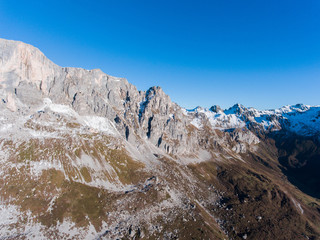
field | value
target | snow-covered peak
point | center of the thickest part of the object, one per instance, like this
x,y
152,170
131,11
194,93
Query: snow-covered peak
x,y
293,108
196,110
300,119
236,109
217,118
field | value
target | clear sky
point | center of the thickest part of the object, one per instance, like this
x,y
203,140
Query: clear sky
x,y
263,54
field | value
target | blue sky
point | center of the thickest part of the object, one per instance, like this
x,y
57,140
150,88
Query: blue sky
x,y
263,54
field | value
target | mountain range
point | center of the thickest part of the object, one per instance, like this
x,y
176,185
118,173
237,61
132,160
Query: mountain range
x,y
85,155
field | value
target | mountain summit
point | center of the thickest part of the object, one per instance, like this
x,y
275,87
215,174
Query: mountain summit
x,y
86,155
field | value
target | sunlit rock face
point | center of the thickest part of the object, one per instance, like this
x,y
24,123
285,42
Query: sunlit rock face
x,y
84,155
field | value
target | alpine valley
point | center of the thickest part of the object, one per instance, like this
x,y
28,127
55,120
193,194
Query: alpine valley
x,y
84,155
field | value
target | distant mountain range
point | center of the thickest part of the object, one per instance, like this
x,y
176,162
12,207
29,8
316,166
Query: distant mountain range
x,y
84,155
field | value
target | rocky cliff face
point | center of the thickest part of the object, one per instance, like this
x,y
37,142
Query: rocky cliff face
x,y
87,155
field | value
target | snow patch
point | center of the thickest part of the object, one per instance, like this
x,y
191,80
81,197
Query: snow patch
x,y
201,156
59,108
197,123
298,206
100,124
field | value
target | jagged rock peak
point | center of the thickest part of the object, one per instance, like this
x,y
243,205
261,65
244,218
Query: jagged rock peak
x,y
153,91
216,109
